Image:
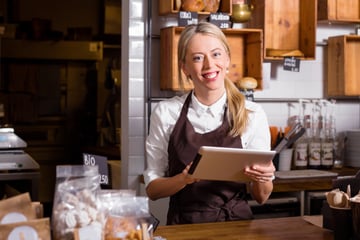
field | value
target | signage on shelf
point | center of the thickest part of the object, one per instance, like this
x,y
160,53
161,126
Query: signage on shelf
x,y
220,19
291,64
187,18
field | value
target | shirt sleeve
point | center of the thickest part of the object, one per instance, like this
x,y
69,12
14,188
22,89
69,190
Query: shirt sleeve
x,y
162,122
257,134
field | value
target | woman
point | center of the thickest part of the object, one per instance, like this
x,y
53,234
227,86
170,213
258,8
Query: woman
x,y
214,113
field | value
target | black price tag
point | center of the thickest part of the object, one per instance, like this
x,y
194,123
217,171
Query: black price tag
x,y
220,19
291,64
101,162
187,18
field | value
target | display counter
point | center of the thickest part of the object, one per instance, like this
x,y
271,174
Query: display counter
x,y
275,228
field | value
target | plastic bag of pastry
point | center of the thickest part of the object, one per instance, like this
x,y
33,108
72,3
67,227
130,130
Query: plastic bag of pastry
x,y
130,220
16,209
109,198
75,210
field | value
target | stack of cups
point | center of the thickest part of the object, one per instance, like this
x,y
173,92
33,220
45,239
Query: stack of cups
x,y
285,159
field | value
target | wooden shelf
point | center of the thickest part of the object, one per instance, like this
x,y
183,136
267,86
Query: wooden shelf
x,y
339,11
289,27
51,50
343,71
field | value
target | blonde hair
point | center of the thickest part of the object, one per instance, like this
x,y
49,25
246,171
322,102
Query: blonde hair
x,y
237,113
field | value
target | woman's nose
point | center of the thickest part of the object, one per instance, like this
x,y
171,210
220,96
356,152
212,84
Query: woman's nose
x,y
207,62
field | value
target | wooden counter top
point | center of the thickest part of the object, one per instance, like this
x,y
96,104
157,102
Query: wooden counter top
x,y
273,228
313,183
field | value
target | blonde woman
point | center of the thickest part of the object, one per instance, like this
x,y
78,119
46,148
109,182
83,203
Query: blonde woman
x,y
214,113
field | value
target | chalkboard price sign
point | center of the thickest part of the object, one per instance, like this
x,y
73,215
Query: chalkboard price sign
x,y
101,162
187,18
220,19
291,64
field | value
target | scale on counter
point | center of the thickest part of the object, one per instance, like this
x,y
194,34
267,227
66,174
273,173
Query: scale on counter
x,y
12,154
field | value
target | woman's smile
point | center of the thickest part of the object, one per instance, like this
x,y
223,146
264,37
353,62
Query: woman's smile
x,y
211,75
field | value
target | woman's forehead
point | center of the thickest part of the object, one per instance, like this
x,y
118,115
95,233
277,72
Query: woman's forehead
x,y
204,41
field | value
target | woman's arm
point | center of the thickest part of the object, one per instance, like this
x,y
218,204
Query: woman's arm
x,y
162,120
261,185
167,186
258,137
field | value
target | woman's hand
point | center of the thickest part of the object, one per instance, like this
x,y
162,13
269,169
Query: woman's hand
x,y
261,185
188,179
168,186
261,173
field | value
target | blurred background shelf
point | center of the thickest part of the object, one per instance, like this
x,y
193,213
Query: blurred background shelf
x,y
52,50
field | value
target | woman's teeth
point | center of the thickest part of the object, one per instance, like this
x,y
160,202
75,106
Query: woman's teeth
x,y
210,75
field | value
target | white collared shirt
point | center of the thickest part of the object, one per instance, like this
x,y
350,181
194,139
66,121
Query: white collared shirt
x,y
204,119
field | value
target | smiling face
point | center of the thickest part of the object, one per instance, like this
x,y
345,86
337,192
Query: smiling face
x,y
206,62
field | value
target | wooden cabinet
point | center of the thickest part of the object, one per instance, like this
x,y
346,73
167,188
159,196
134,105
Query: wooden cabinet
x,y
289,27
52,50
343,66
48,89
339,10
246,56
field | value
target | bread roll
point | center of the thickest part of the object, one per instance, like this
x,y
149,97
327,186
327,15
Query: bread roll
x,y
192,5
247,83
212,6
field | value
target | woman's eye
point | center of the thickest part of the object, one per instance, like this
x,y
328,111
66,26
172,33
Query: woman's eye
x,y
217,54
198,58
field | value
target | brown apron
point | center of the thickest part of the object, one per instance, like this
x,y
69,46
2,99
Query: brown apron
x,y
203,201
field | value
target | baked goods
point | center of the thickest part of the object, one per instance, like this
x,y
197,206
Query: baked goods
x,y
197,5
192,5
338,199
212,6
246,83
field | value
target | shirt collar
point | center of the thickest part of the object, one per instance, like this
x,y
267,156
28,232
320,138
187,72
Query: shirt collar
x,y
214,109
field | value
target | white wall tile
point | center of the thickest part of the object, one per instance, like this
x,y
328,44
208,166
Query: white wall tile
x,y
136,107
136,147
136,68
136,48
136,9
136,165
137,86
136,28
136,127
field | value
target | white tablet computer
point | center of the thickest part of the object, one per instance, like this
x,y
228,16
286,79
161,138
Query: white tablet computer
x,y
227,164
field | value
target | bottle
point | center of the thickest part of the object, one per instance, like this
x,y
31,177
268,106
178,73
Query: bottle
x,y
328,141
315,142
327,149
301,156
